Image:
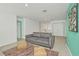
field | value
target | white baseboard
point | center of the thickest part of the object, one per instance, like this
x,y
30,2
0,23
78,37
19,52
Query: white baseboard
x,y
8,46
69,50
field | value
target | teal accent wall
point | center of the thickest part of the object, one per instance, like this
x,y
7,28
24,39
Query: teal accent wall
x,y
72,37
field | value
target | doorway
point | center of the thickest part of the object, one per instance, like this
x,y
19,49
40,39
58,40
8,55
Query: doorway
x,y
19,30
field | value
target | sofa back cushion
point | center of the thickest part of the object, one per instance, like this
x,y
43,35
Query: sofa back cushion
x,y
42,34
46,35
36,34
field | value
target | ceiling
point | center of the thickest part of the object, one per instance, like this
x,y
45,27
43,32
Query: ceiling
x,y
55,11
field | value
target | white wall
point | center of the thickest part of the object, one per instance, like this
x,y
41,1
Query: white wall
x,y
8,29
30,26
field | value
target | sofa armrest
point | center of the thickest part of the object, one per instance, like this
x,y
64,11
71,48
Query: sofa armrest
x,y
51,41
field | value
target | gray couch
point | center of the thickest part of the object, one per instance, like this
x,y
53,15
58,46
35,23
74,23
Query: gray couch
x,y
40,38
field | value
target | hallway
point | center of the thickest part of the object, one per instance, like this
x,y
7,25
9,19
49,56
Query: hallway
x,y
61,47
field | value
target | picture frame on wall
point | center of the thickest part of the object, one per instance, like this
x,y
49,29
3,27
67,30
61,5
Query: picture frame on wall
x,y
73,18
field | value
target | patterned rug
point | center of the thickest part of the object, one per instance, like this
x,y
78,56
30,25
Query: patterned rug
x,y
31,50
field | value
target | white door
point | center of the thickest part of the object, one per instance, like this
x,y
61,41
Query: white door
x,y
58,29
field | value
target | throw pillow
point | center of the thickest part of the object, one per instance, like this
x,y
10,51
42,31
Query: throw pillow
x,y
39,51
22,44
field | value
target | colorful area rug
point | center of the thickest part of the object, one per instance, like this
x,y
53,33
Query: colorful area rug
x,y
31,50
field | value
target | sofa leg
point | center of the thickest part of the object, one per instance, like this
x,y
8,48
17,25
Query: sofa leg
x,y
50,51
50,48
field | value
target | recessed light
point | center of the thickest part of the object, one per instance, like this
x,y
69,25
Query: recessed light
x,y
26,5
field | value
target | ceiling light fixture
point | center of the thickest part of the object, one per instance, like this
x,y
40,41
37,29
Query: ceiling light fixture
x,y
26,5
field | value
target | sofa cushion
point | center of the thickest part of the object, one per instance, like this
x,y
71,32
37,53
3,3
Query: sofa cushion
x,y
32,38
43,40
